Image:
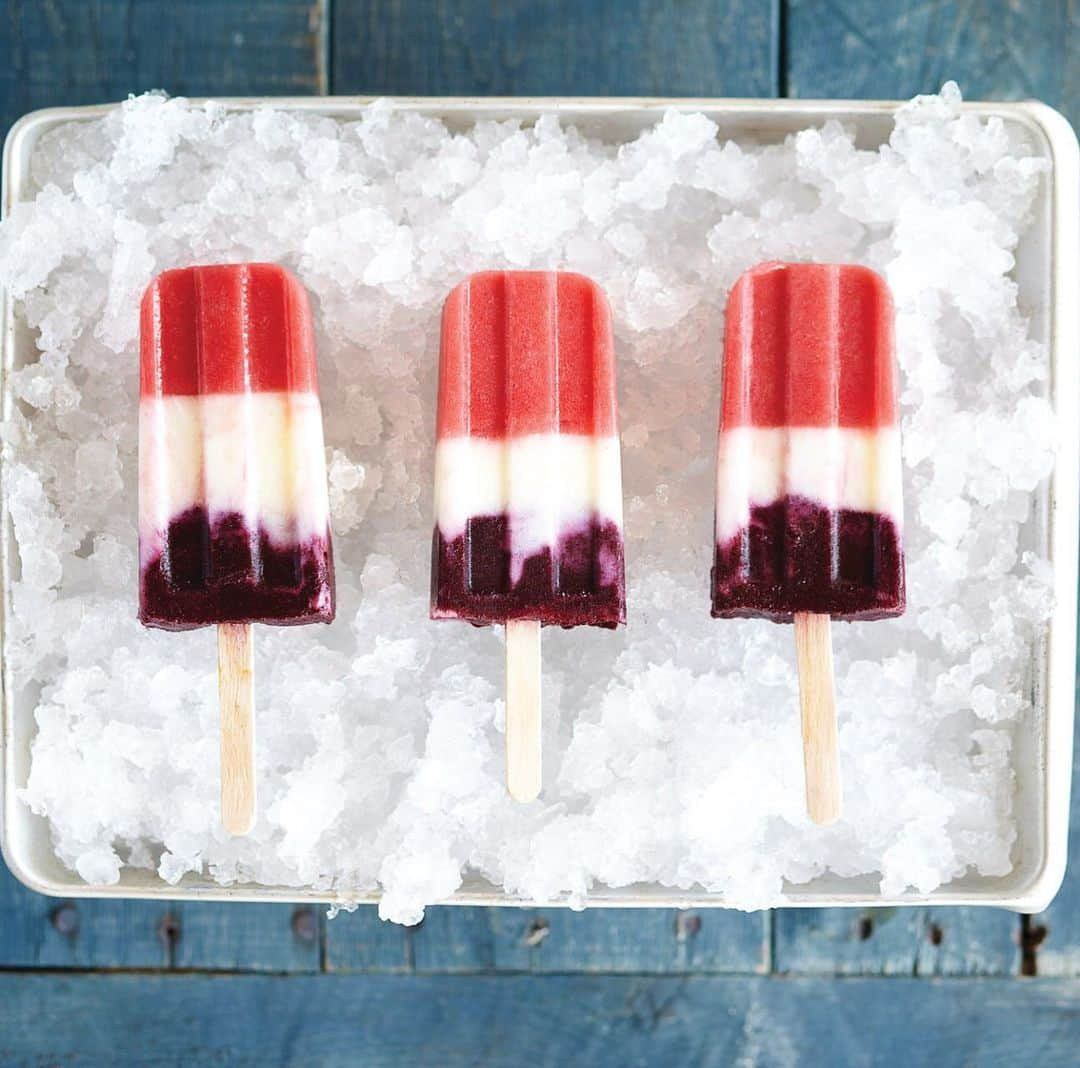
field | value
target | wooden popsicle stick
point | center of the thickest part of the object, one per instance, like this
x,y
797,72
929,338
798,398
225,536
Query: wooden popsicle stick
x,y
523,723
236,700
821,757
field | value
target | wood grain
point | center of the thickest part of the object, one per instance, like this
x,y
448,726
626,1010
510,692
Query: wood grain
x,y
247,938
455,939
524,716
360,942
236,704
43,932
897,942
62,52
817,704
642,941
609,941
556,48
556,1021
995,49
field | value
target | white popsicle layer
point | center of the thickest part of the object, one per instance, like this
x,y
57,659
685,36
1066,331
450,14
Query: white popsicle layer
x,y
548,484
256,454
840,468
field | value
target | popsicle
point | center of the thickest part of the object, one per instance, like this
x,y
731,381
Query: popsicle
x,y
808,496
233,512
528,484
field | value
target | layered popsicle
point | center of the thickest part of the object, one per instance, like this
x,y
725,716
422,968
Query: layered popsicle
x,y
808,492
528,478
528,486
233,514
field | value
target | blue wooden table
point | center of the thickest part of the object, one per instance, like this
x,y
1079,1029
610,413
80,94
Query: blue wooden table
x,y
126,983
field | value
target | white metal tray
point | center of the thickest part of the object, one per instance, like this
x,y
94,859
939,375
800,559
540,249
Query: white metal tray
x,y
1048,273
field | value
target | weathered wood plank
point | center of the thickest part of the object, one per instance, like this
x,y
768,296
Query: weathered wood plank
x,y
43,932
600,940
552,940
645,940
37,931
712,941
456,939
638,941
89,51
360,942
996,49
539,1020
894,941
262,938
558,48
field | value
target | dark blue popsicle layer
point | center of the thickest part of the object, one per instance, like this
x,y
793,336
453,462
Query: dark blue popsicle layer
x,y
582,583
218,572
799,556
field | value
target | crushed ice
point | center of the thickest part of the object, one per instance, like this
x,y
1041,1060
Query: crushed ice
x,y
672,748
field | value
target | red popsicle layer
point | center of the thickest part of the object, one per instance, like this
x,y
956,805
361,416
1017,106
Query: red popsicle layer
x,y
526,352
809,344
228,328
